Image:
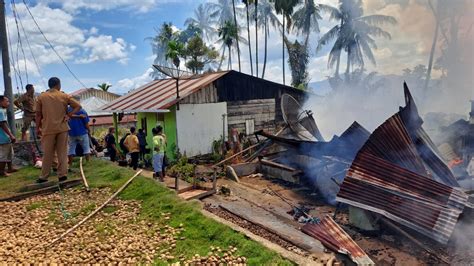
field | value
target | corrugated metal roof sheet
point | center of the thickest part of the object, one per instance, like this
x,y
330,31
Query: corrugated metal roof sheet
x,y
410,199
391,175
333,237
159,95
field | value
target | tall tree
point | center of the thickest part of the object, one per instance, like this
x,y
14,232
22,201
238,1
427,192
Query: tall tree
x,y
220,11
237,39
266,18
247,3
256,37
306,19
298,59
355,34
285,8
200,54
191,31
227,36
203,21
159,44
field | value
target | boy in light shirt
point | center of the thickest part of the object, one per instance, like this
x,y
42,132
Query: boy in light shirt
x,y
159,146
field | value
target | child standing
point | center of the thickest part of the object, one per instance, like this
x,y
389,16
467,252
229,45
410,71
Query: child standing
x,y
6,140
159,146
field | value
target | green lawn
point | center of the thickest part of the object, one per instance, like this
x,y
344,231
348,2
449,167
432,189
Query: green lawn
x,y
200,232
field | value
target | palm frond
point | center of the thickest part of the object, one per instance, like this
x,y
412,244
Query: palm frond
x,y
378,32
378,20
367,51
328,36
334,13
334,54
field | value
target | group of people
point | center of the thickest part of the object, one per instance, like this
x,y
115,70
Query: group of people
x,y
134,144
61,125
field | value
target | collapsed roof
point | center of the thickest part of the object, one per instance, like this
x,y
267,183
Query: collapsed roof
x,y
399,174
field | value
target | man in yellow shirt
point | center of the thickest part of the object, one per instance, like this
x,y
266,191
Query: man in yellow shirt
x,y
52,118
133,146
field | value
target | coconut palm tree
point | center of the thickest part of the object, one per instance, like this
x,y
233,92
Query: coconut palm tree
x,y
256,37
247,3
104,86
228,34
354,34
266,18
285,8
159,45
306,19
220,11
203,21
237,39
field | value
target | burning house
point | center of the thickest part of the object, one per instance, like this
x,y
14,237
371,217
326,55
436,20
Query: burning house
x,y
395,176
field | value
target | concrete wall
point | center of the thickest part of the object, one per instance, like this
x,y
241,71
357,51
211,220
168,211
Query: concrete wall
x,y
198,125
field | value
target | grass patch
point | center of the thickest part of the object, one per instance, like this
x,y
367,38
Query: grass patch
x,y
200,232
34,206
109,209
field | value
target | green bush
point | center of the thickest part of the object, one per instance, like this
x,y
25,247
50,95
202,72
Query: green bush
x,y
182,169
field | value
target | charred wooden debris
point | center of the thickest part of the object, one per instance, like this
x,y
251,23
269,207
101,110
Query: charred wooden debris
x,y
395,174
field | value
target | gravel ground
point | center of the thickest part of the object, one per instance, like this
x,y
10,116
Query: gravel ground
x,y
116,234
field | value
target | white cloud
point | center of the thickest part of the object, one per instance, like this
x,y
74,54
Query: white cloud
x,y
127,84
68,40
100,48
141,6
93,31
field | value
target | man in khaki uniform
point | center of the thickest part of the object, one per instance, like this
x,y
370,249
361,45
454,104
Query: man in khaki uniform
x,y
26,103
52,125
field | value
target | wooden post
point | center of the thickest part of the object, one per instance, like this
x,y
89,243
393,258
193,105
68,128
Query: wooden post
x,y
83,175
214,181
223,135
7,79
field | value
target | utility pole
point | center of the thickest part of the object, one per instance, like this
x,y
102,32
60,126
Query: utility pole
x,y
7,79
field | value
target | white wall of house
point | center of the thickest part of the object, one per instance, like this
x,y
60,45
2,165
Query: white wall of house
x,y
198,125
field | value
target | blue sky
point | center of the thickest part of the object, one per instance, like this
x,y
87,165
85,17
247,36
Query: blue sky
x,y
125,21
104,41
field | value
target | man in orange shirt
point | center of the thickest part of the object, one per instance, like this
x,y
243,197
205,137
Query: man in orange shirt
x,y
52,125
133,146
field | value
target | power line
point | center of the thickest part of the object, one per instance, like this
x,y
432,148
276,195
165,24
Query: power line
x,y
12,59
19,41
31,51
50,45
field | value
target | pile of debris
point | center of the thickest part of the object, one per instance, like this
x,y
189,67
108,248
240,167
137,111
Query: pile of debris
x,y
393,176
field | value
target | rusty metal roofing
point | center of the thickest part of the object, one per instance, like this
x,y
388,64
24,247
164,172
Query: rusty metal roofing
x,y
406,197
392,142
159,95
335,238
394,174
